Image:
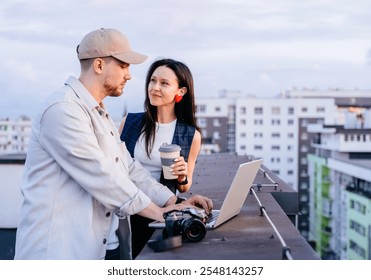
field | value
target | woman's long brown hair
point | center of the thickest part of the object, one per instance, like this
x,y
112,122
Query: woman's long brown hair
x,y
184,110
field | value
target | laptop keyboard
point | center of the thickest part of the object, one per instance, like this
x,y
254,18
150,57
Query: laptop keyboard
x,y
214,214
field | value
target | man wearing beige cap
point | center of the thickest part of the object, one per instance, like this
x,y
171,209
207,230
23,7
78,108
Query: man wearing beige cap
x,y
79,178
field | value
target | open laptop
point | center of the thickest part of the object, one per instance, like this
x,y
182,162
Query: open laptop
x,y
235,197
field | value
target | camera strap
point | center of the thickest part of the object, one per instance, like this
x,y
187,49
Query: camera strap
x,y
163,244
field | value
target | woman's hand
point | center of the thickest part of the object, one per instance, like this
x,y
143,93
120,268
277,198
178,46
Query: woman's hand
x,y
180,168
201,202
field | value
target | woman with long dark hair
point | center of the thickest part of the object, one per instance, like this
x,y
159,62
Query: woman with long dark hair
x,y
169,117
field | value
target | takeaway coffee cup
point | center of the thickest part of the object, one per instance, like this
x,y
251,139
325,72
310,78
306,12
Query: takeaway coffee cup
x,y
168,152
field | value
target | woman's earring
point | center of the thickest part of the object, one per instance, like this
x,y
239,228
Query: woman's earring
x,y
178,98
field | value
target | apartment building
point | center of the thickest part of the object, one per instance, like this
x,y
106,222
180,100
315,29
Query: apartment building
x,y
275,129
14,135
340,188
263,127
216,117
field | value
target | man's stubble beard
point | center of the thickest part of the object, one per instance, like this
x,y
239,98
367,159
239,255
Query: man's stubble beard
x,y
112,91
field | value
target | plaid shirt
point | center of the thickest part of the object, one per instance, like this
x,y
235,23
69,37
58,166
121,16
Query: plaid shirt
x,y
183,136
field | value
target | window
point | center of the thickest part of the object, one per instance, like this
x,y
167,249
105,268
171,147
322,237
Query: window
x,y
304,198
304,211
304,186
303,161
4,127
304,109
202,122
201,108
217,109
304,149
320,109
275,159
276,110
258,110
357,227
357,248
290,135
276,122
275,135
243,110
290,110
304,136
216,122
243,121
258,147
275,148
242,134
258,122
290,122
358,206
216,135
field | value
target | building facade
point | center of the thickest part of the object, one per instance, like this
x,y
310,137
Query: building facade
x,y
14,135
340,188
276,129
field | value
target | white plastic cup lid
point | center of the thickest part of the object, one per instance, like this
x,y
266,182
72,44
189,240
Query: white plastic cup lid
x,y
169,148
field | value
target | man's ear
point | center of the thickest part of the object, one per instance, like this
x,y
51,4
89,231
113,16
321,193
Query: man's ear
x,y
98,65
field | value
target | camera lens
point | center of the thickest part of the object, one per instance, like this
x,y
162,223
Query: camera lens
x,y
194,230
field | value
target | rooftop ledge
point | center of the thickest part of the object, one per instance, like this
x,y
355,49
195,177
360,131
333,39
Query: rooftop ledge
x,y
265,228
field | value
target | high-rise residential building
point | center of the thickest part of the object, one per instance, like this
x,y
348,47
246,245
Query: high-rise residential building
x,y
340,188
275,129
14,135
216,117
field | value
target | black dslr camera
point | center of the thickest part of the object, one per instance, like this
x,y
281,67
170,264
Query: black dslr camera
x,y
189,222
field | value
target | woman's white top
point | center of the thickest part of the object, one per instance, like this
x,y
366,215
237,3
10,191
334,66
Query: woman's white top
x,y
164,134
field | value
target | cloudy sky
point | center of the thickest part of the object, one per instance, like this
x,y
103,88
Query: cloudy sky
x,y
255,47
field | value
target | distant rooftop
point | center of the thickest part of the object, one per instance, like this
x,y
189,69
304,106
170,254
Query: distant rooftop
x,y
17,158
331,92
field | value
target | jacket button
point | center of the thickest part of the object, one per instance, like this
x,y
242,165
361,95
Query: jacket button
x,y
108,214
116,159
104,240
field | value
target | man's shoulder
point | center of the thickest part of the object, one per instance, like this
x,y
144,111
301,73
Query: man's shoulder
x,y
63,94
63,99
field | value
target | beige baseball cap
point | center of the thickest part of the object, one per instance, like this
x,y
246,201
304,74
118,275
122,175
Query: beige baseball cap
x,y
108,42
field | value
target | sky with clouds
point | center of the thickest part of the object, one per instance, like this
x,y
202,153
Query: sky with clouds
x,y
255,47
